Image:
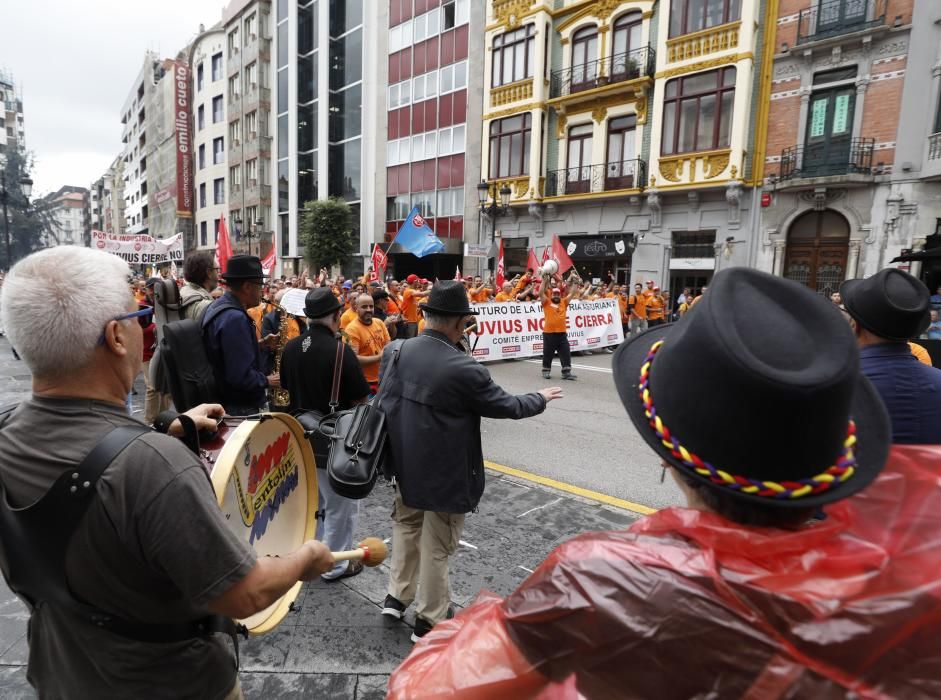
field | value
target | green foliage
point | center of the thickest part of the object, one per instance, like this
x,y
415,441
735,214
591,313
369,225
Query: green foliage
x,y
326,229
29,221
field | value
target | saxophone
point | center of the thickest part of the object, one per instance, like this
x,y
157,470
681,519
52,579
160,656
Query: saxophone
x,y
280,397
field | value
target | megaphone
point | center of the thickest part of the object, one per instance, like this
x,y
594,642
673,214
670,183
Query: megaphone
x,y
550,267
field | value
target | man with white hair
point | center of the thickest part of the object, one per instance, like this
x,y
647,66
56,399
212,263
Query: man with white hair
x,y
145,547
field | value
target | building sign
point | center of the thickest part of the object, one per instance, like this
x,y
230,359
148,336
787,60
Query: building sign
x,y
840,113
181,121
473,250
692,263
818,117
598,248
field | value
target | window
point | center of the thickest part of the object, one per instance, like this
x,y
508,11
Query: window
x,y
202,195
235,132
454,14
400,37
427,25
578,163
453,77
509,146
200,117
215,224
251,124
217,110
400,94
202,156
621,152
451,140
451,202
425,201
937,116
398,207
251,77
233,92
218,152
235,177
627,38
217,67
199,77
251,28
424,146
514,56
694,244
697,112
425,86
251,172
234,41
584,58
218,191
693,15
203,241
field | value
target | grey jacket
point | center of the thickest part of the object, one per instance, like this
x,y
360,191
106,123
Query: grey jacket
x,y
433,398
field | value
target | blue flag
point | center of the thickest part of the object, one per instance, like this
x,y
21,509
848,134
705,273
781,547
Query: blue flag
x,y
417,237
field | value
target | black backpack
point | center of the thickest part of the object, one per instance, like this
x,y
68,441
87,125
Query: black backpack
x,y
188,371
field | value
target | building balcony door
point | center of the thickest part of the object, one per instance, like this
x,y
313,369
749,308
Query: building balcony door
x,y
817,248
834,14
578,177
828,139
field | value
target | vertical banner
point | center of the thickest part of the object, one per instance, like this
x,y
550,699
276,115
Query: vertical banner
x,y
181,120
507,330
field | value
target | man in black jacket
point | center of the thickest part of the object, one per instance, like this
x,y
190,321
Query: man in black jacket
x,y
434,395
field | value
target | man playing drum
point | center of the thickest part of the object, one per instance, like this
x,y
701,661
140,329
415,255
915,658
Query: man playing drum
x,y
151,553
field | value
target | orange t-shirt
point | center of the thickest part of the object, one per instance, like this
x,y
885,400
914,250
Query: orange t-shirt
x,y
347,318
638,304
481,297
920,352
622,304
421,324
394,305
256,313
554,316
409,307
654,307
367,341
501,296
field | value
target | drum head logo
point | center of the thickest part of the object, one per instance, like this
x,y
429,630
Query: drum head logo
x,y
619,247
272,477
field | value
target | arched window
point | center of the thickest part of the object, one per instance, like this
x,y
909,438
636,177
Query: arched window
x,y
514,56
584,58
817,248
626,56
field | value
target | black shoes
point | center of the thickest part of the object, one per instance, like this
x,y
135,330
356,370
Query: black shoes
x,y
569,375
545,374
393,607
422,627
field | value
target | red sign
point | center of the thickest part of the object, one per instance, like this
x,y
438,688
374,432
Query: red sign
x,y
766,199
418,221
181,120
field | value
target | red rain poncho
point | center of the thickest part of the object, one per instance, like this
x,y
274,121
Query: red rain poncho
x,y
686,604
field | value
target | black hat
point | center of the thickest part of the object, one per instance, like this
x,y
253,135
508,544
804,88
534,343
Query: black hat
x,y
449,298
757,391
320,302
243,267
892,304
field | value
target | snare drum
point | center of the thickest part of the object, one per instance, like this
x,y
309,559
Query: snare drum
x,y
265,479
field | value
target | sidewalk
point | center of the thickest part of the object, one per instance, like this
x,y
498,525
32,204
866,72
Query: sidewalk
x,y
337,644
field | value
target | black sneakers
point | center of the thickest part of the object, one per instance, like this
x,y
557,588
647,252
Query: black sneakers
x,y
422,627
393,607
569,375
545,374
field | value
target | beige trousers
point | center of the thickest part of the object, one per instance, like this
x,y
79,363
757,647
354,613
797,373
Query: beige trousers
x,y
155,403
236,692
422,542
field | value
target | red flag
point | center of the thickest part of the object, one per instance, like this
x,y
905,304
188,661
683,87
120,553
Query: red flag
x,y
457,273
501,269
560,255
532,262
223,245
545,254
379,261
268,263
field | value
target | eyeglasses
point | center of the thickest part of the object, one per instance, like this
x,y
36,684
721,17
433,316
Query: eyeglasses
x,y
145,313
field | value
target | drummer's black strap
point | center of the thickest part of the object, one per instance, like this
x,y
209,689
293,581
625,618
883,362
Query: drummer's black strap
x,y
35,540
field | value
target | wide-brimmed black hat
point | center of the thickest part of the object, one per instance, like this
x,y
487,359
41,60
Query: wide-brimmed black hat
x,y
449,298
243,267
754,391
320,302
892,304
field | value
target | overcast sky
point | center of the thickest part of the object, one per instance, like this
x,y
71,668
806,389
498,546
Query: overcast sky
x,y
75,62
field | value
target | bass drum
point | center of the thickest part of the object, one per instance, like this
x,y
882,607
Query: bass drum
x,y
265,478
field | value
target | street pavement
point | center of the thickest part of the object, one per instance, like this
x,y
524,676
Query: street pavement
x,y
335,644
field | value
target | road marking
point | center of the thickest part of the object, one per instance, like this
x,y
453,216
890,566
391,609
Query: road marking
x,y
466,544
546,505
569,488
589,368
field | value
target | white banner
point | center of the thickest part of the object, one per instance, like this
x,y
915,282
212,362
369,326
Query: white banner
x,y
507,330
140,250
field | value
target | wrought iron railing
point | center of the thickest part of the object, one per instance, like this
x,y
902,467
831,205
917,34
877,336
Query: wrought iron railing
x,y
850,156
606,177
934,146
604,71
835,17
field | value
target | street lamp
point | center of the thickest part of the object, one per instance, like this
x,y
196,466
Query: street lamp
x,y
26,188
493,209
251,233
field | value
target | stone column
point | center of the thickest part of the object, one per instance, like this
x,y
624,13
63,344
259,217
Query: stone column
x,y
852,260
779,249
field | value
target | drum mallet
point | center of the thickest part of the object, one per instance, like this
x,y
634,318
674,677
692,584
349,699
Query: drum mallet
x,y
372,552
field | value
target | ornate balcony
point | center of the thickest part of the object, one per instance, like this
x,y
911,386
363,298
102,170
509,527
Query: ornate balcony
x,y
631,65
606,177
836,17
514,92
703,43
833,159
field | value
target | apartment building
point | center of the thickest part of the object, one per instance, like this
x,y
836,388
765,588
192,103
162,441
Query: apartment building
x,y
134,123
248,73
629,130
12,127
67,210
842,196
434,77
209,129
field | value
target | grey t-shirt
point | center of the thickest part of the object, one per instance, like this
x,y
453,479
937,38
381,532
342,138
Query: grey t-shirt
x,y
152,547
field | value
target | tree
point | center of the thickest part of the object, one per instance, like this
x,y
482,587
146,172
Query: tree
x,y
30,222
326,230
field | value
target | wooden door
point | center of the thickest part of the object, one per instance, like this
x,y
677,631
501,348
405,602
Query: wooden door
x,y
817,249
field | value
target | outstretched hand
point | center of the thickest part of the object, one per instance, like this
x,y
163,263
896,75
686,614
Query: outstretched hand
x,y
552,393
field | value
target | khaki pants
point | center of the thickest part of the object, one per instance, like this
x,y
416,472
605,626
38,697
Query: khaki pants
x,y
155,403
236,692
422,542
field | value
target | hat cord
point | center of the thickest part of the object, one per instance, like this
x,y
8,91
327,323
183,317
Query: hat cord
x,y
841,471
